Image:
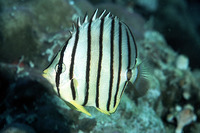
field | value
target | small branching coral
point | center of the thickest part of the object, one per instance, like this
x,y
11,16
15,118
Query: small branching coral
x,y
183,116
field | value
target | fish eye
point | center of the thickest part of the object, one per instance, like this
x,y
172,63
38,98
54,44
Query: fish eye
x,y
59,67
129,74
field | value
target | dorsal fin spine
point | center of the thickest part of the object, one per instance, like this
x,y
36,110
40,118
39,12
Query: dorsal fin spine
x,y
78,22
85,19
107,15
94,15
102,14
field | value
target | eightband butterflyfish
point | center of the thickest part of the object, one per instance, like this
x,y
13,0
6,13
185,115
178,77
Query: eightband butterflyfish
x,y
95,64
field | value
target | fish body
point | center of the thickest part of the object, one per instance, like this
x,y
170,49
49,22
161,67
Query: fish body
x,y
95,65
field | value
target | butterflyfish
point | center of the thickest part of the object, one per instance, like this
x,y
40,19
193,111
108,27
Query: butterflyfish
x,y
95,64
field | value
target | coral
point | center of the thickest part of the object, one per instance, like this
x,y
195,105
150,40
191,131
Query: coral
x,y
128,118
28,26
177,84
183,117
26,102
182,62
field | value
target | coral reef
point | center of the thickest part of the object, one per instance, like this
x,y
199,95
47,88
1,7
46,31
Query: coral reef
x,y
30,24
33,31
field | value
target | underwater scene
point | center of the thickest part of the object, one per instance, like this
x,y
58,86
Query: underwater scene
x,y
99,66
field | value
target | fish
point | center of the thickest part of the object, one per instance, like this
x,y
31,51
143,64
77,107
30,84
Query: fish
x,y
95,65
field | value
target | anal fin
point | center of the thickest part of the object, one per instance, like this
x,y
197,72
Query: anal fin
x,y
79,107
114,109
103,111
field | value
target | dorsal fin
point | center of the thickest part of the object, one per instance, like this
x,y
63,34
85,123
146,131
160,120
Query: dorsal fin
x,y
94,15
78,22
102,14
70,32
85,19
116,18
107,15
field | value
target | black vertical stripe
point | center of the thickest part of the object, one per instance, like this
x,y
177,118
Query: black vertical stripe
x,y
73,89
88,63
120,63
59,69
111,63
71,69
129,50
100,61
134,44
129,59
52,60
58,72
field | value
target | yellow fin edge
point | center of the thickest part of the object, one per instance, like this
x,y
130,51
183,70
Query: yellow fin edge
x,y
111,111
80,108
114,109
44,74
103,111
